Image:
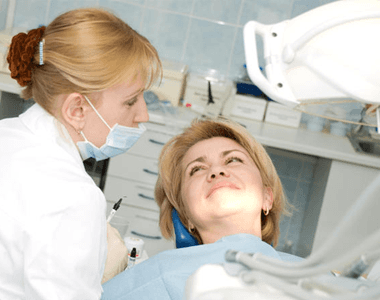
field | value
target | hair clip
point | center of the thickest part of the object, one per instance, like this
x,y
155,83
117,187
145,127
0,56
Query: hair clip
x,y
41,46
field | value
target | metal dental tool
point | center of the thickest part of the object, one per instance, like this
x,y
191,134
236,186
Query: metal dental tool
x,y
114,209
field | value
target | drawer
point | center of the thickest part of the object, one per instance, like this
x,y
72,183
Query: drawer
x,y
144,225
128,166
137,193
150,144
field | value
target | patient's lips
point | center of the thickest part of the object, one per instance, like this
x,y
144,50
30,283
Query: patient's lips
x,y
221,184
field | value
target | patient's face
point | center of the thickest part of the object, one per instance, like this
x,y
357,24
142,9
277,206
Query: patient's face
x,y
220,180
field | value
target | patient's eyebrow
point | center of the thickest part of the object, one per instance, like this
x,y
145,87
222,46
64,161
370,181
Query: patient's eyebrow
x,y
225,153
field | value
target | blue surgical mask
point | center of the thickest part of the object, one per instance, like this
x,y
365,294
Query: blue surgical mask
x,y
119,140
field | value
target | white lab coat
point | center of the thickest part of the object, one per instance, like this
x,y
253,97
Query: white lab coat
x,y
53,236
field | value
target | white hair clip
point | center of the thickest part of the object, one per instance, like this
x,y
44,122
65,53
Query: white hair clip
x,y
41,45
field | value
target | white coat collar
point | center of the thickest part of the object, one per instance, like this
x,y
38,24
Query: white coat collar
x,y
47,127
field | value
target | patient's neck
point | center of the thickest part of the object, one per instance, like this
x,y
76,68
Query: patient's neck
x,y
230,226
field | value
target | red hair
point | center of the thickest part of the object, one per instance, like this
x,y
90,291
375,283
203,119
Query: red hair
x,y
21,53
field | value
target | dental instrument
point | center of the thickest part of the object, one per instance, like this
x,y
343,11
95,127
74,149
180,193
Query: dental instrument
x,y
114,209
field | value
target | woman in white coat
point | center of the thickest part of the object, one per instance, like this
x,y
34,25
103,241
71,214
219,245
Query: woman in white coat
x,y
87,72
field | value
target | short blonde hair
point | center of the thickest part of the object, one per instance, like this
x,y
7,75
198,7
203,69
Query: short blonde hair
x,y
86,51
168,185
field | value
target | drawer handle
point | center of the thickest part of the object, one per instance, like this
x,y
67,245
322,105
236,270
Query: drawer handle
x,y
146,236
145,197
150,172
156,142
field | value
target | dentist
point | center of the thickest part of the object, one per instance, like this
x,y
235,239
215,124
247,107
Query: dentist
x,y
86,71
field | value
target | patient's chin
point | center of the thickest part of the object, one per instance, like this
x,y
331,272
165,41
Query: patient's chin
x,y
223,199
228,201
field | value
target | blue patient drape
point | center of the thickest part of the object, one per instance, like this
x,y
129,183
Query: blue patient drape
x,y
164,275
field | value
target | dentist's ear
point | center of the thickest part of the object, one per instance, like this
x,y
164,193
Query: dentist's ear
x,y
73,111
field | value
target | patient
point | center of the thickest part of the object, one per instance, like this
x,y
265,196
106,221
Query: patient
x,y
227,193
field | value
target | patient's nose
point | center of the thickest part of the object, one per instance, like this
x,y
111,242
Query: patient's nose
x,y
220,173
214,175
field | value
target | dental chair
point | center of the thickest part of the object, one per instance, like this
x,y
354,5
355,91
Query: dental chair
x,y
183,238
326,55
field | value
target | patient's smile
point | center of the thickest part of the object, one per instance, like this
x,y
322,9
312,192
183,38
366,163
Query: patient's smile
x,y
219,185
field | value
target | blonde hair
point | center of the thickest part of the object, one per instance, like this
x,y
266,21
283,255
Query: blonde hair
x,y
89,50
168,185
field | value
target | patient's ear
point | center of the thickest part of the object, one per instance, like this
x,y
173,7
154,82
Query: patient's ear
x,y
191,226
268,198
74,109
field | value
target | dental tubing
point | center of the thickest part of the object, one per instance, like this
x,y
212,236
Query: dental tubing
x,y
327,258
290,271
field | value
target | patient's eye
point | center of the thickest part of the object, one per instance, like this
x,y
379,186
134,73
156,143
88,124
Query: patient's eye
x,y
233,159
195,169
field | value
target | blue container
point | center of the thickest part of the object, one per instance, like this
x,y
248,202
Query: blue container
x,y
248,88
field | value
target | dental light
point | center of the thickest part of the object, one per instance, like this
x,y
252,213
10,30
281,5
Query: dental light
x,y
328,55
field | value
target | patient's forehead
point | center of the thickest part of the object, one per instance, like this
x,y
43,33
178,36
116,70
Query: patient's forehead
x,y
210,147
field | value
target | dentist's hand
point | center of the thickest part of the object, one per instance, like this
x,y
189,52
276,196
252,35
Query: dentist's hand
x,y
117,254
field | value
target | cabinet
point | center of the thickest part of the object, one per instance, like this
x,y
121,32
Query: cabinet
x,y
134,174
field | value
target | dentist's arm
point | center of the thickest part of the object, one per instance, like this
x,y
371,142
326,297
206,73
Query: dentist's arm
x,y
65,242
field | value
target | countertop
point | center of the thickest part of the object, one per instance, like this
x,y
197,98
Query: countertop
x,y
292,139
309,142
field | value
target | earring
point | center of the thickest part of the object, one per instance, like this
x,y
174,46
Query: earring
x,y
266,212
191,229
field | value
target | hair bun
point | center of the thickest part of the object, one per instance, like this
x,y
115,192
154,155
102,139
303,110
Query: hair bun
x,y
21,53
